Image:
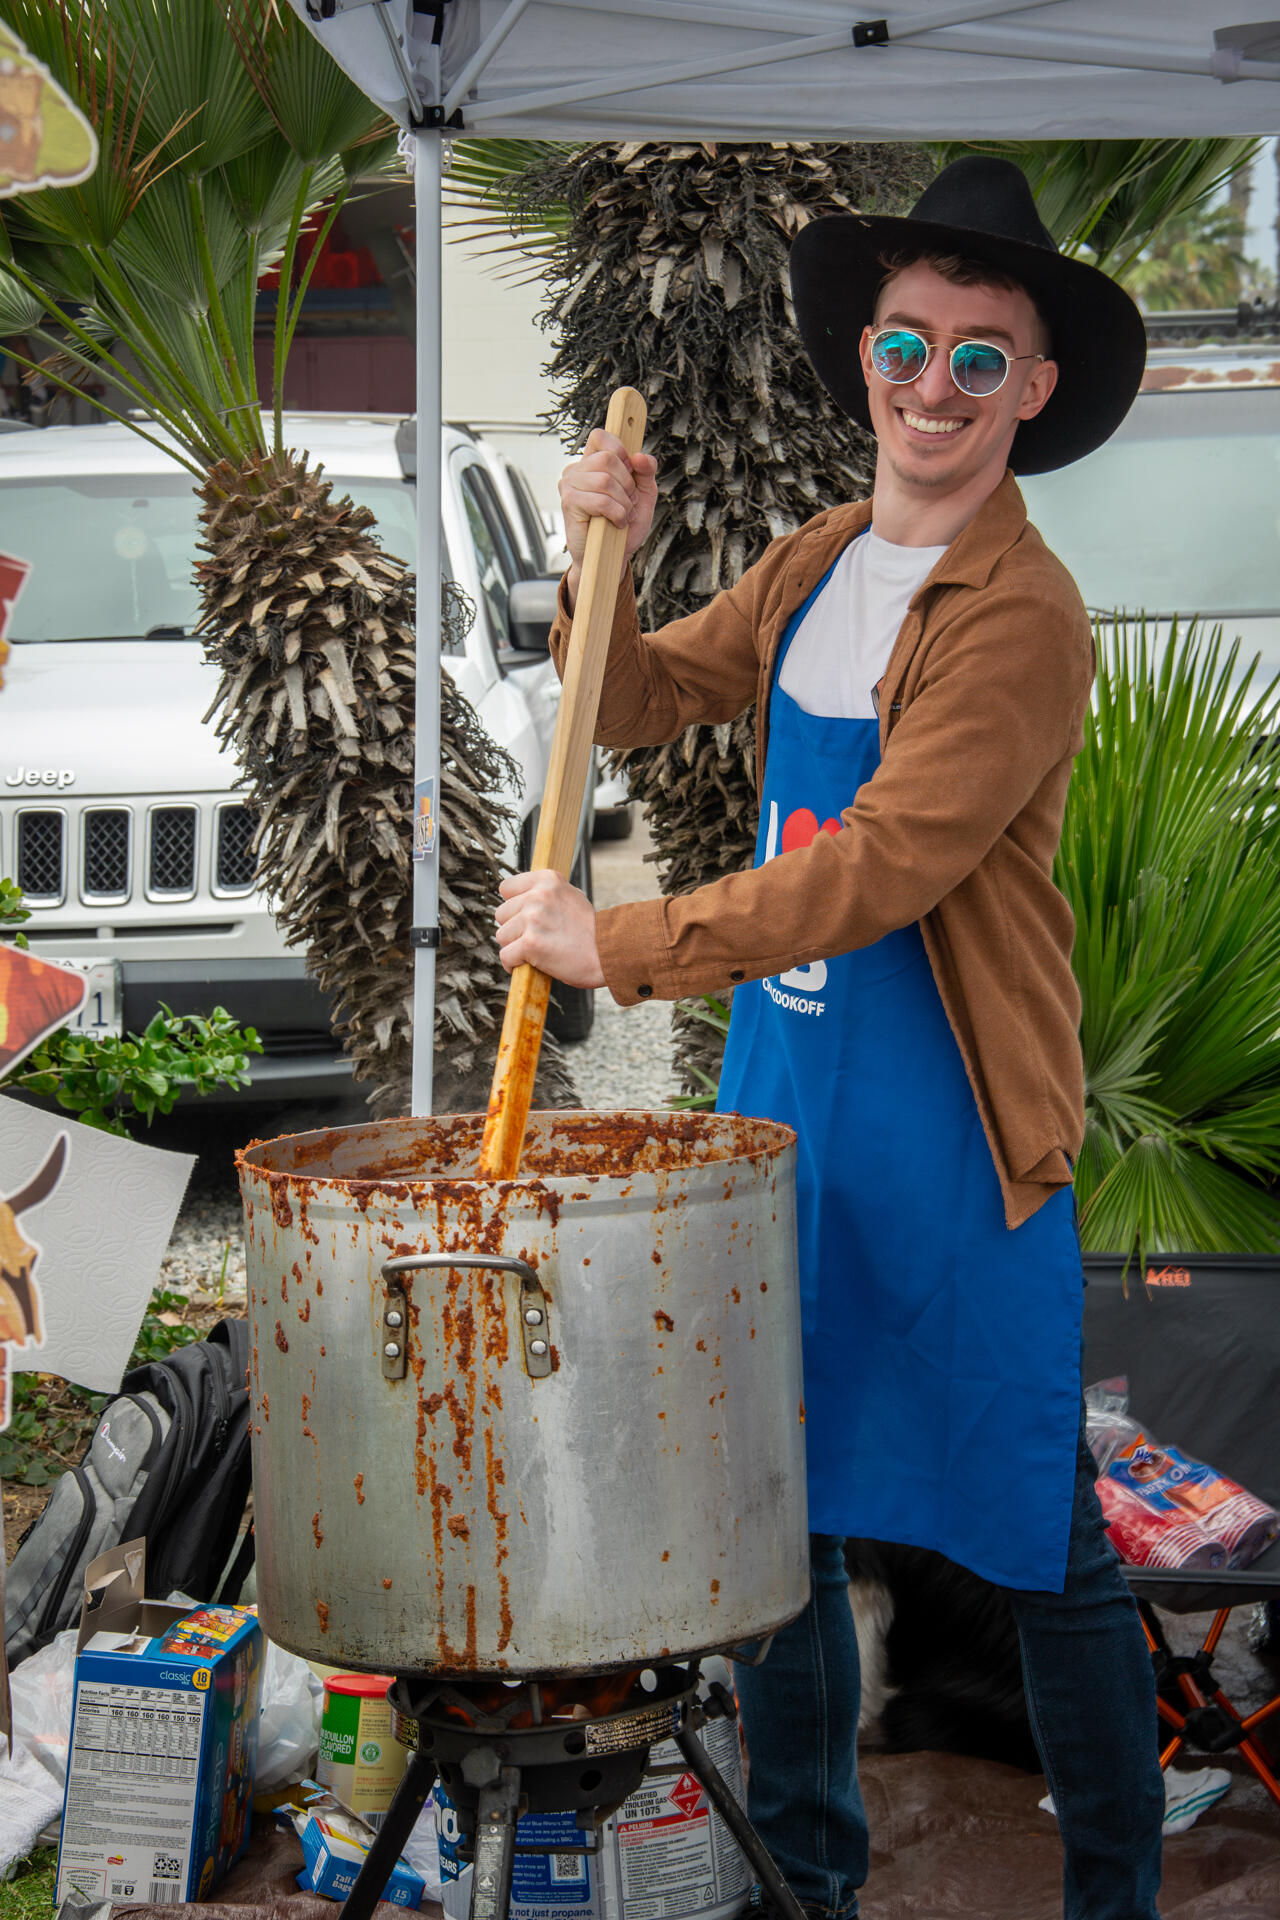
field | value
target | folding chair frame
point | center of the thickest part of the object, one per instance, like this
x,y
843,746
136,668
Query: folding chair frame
x,y
1210,1723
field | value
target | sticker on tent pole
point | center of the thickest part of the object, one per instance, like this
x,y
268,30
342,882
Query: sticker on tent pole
x,y
424,819
47,142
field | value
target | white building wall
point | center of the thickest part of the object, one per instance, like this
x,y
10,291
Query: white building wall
x,y
493,355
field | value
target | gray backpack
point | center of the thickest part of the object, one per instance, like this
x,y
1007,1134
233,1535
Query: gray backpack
x,y
169,1460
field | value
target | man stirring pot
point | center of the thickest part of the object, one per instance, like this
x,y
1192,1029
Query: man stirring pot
x,y
903,990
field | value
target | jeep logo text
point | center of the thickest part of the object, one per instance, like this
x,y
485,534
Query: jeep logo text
x,y
41,777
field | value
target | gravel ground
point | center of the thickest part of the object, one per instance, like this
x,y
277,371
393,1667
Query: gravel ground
x,y
627,1060
624,1063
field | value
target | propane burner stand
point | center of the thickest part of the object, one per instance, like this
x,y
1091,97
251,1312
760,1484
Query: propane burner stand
x,y
498,1754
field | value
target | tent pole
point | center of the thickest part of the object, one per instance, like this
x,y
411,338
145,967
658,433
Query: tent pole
x,y
427,176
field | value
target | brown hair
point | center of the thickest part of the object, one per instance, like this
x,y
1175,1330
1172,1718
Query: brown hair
x,y
962,271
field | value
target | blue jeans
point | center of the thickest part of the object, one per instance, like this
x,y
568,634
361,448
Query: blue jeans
x,y
1090,1695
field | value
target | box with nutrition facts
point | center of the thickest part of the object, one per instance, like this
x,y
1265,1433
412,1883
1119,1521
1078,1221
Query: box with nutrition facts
x,y
164,1737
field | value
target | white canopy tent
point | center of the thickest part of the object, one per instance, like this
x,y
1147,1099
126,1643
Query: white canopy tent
x,y
747,70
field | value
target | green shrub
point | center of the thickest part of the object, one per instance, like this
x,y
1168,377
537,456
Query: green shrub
x,y
101,1078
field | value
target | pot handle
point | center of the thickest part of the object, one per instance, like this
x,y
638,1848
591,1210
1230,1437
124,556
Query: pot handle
x,y
535,1328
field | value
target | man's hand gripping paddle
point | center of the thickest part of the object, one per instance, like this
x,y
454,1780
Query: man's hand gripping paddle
x,y
512,1091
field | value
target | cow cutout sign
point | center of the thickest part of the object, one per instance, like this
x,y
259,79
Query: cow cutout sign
x,y
85,1220
21,1320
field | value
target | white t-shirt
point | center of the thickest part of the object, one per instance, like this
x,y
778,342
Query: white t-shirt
x,y
844,641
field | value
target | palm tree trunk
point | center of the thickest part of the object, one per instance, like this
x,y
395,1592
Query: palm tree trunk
x,y
311,624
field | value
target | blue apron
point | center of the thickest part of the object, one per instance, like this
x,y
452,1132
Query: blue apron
x,y
941,1349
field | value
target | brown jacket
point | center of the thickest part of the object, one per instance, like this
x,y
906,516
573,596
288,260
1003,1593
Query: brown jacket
x,y
981,709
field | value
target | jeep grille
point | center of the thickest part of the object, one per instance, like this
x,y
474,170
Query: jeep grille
x,y
171,860
97,845
234,861
104,853
41,838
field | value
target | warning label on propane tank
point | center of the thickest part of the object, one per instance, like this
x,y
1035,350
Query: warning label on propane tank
x,y
673,1858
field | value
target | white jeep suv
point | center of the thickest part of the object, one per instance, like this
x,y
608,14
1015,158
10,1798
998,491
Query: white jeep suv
x,y
119,817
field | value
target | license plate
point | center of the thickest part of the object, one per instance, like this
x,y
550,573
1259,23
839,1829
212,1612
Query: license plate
x,y
101,1013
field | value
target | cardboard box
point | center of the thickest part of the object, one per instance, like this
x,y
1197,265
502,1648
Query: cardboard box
x,y
164,1740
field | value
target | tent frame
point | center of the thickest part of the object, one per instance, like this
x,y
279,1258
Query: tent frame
x,y
935,30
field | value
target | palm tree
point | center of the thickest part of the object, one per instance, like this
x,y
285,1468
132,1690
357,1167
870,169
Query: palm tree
x,y
1198,261
223,128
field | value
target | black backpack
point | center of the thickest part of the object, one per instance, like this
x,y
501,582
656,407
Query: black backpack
x,y
169,1461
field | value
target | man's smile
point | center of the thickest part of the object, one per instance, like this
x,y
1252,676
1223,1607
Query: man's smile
x,y
931,422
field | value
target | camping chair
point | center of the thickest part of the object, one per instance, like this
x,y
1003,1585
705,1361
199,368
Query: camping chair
x,y
1199,1339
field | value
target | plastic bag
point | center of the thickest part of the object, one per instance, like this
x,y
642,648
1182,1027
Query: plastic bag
x,y
288,1720
43,1687
421,1850
1162,1508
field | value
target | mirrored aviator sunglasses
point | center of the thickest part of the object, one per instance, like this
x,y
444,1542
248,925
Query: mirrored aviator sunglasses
x,y
978,368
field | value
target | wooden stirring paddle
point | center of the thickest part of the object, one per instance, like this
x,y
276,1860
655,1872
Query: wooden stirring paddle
x,y
512,1093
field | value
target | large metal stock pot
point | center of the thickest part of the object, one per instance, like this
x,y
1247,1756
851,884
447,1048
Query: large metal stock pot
x,y
574,1441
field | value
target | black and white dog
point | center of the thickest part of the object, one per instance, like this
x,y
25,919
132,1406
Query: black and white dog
x,y
941,1667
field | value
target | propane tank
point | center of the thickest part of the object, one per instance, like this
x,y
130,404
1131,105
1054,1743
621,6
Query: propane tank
x,y
664,1855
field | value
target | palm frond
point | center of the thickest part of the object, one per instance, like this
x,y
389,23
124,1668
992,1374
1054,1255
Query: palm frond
x,y
491,205
182,53
1108,199
1185,1201
223,126
1169,861
316,109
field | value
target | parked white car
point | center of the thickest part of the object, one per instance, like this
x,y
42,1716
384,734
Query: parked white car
x,y
119,817
1178,515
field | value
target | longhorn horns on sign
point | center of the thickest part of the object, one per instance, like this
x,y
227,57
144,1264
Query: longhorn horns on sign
x,y
19,1304
41,1184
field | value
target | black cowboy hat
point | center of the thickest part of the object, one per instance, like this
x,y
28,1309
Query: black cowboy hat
x,y
983,210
